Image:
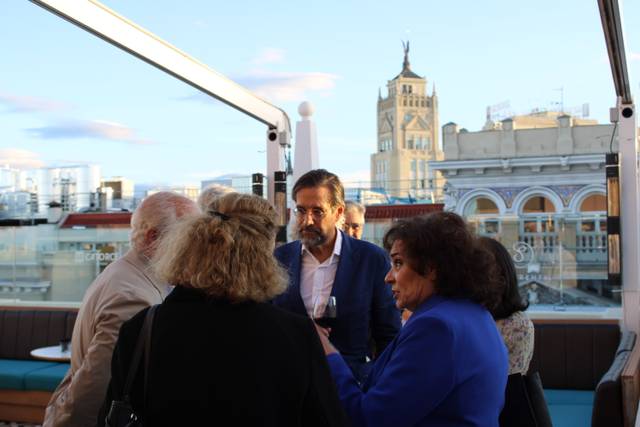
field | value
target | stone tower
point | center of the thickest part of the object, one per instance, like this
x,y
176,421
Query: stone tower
x,y
408,132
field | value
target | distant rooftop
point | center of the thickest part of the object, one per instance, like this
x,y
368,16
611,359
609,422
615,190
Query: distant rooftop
x,y
539,120
401,211
97,220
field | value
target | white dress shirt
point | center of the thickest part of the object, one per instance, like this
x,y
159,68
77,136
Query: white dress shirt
x,y
316,279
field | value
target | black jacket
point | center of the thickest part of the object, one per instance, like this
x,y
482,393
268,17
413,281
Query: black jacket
x,y
217,363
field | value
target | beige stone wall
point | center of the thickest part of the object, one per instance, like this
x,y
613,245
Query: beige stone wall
x,y
565,138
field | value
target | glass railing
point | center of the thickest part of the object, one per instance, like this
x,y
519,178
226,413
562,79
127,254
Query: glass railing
x,y
47,263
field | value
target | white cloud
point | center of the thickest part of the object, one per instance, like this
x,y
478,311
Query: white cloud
x,y
93,129
288,86
269,55
29,104
276,86
19,159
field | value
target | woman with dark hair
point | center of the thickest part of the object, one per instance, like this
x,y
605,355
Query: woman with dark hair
x,y
514,325
448,365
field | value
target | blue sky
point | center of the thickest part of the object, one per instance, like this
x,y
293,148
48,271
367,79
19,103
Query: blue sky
x,y
66,96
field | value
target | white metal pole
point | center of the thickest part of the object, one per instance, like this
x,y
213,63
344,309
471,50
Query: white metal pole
x,y
629,214
306,143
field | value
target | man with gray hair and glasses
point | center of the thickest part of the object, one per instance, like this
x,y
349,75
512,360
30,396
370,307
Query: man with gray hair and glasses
x,y
124,288
326,264
353,219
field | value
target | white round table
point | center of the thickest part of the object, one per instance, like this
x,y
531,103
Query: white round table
x,y
53,353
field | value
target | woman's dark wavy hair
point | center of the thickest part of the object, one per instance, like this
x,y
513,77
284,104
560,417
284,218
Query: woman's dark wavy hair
x,y
510,299
442,240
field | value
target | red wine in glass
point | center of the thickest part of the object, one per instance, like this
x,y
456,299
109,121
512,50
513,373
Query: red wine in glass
x,y
325,314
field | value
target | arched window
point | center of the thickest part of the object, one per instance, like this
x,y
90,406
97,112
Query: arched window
x,y
591,233
594,203
483,214
538,225
481,206
538,204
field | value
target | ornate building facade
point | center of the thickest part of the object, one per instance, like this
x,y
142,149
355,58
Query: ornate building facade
x,y
408,132
540,190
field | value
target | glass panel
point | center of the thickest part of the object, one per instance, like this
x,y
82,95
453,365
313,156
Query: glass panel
x,y
481,206
47,263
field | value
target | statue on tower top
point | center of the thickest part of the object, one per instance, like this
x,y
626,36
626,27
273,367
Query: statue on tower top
x,y
405,64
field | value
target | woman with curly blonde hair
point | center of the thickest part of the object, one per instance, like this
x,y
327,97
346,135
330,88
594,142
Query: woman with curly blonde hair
x,y
220,352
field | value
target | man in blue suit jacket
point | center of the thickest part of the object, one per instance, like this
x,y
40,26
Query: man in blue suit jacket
x,y
326,262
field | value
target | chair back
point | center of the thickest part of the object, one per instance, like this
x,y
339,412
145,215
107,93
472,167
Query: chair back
x,y
24,329
524,404
537,399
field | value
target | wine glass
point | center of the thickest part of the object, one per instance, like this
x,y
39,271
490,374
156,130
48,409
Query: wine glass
x,y
325,312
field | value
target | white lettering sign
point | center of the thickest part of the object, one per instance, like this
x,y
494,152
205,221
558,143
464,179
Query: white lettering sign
x,y
82,257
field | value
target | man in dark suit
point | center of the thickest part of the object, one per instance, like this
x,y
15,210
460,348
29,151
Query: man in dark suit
x,y
326,262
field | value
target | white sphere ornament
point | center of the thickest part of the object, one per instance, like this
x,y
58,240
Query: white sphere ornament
x,y
306,109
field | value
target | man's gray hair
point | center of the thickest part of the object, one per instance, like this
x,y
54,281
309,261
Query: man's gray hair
x,y
158,211
351,205
211,193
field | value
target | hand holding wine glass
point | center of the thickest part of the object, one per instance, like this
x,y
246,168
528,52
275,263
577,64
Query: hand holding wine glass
x,y
325,312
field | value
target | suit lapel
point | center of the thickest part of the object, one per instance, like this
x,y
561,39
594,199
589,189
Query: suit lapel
x,y
344,273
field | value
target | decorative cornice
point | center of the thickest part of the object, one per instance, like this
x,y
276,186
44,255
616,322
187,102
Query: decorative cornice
x,y
514,162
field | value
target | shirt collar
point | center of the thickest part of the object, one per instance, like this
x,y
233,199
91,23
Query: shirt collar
x,y
337,246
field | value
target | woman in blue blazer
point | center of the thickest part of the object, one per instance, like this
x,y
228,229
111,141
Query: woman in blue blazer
x,y
448,365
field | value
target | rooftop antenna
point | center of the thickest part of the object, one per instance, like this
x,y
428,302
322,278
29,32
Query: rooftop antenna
x,y
499,111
